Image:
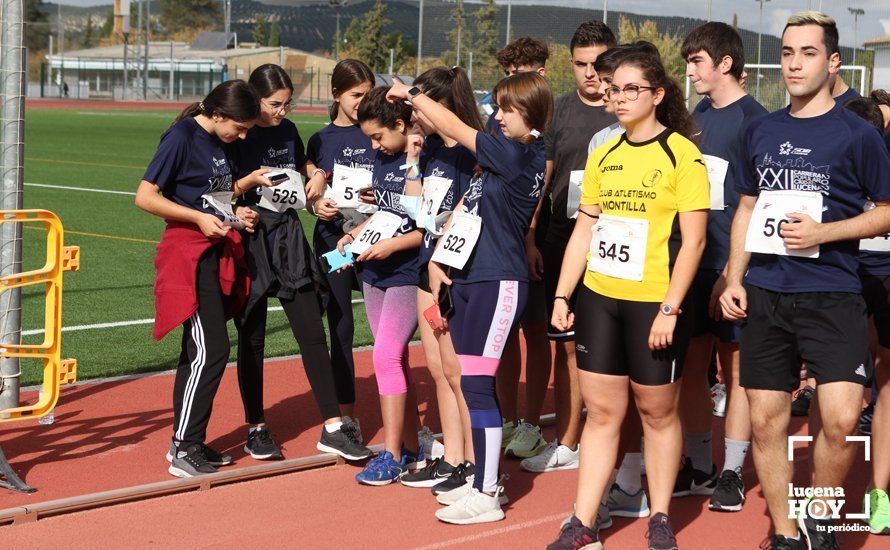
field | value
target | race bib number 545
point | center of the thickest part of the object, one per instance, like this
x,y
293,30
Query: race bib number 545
x,y
618,247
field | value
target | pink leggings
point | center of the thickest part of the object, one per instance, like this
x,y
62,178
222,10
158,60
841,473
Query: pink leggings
x,y
392,313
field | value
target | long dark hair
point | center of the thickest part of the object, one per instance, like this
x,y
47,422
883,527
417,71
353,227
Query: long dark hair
x,y
375,107
452,88
233,99
671,112
268,79
348,74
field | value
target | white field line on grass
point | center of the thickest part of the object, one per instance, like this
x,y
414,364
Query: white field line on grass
x,y
117,324
70,188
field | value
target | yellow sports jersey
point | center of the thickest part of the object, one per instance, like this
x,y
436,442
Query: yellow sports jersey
x,y
640,188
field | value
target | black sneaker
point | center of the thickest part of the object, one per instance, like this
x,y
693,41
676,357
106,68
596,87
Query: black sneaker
x,y
694,482
780,542
341,443
457,479
729,495
865,419
261,446
818,534
574,535
660,533
214,457
801,404
190,463
435,472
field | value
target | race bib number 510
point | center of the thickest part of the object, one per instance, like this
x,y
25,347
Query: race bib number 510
x,y
382,225
771,214
618,247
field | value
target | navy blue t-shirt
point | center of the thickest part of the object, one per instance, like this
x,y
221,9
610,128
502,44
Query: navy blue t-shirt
x,y
847,96
505,196
875,263
837,154
403,267
721,130
189,163
454,163
346,145
274,146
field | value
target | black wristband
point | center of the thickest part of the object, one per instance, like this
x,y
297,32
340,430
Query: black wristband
x,y
563,298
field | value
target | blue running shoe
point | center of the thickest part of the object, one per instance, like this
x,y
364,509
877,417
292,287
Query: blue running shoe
x,y
382,470
412,460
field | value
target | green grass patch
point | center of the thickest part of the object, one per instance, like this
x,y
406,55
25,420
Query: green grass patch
x,y
109,150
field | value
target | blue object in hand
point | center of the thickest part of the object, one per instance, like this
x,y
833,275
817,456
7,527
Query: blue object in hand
x,y
336,260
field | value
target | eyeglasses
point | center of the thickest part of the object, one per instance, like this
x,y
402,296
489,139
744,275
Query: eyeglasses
x,y
631,91
277,107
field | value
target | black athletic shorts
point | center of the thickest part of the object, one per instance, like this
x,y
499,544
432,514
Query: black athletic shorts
x,y
612,337
699,299
826,330
876,292
553,256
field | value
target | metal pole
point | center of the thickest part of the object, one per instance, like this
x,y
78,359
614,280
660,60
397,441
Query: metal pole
x,y
709,9
460,25
509,17
172,77
856,13
124,89
392,54
147,38
138,44
281,56
470,67
61,31
227,16
337,45
759,42
419,40
606,12
12,149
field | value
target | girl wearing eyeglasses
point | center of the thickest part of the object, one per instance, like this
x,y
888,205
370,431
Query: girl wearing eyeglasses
x,y
282,266
638,241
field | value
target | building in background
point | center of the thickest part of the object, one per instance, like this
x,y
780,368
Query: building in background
x,y
881,47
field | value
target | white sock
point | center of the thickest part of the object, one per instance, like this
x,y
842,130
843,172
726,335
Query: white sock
x,y
735,454
630,474
698,450
333,427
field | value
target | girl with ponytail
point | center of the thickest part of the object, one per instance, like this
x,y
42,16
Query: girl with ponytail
x,y
340,144
201,276
446,168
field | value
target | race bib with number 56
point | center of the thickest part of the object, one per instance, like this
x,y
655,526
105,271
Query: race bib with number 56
x,y
771,214
457,244
618,247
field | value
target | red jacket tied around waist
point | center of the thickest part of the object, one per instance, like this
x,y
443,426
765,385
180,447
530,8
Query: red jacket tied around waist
x,y
176,299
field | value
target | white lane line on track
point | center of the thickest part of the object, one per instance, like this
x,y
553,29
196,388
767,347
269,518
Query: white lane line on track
x,y
496,532
77,328
70,188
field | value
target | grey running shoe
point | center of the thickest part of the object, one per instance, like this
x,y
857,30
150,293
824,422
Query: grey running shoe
x,y
214,457
191,463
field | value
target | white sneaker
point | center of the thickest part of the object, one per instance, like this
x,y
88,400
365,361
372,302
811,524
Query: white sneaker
x,y
432,448
718,396
451,497
526,441
554,457
474,507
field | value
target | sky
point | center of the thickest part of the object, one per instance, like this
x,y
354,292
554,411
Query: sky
x,y
875,22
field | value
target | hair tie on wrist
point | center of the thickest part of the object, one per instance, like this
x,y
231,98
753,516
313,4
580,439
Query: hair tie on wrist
x,y
201,106
535,133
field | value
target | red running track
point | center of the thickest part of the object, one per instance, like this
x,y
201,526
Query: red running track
x,y
114,434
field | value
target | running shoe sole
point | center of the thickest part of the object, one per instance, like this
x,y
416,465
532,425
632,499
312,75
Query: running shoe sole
x,y
625,513
502,500
488,517
423,483
178,472
169,458
550,468
325,449
379,483
722,508
258,456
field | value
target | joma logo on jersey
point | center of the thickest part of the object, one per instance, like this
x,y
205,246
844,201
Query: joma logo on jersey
x,y
612,168
788,149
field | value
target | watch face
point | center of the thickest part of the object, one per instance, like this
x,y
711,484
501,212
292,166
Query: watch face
x,y
666,309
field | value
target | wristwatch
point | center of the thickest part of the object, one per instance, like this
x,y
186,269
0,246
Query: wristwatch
x,y
414,92
667,309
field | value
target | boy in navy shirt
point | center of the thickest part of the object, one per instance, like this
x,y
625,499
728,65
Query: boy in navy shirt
x,y
715,57
807,171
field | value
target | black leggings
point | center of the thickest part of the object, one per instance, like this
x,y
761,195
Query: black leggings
x,y
341,323
304,315
205,352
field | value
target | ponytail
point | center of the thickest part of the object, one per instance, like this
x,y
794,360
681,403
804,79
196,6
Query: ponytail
x,y
452,88
233,99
